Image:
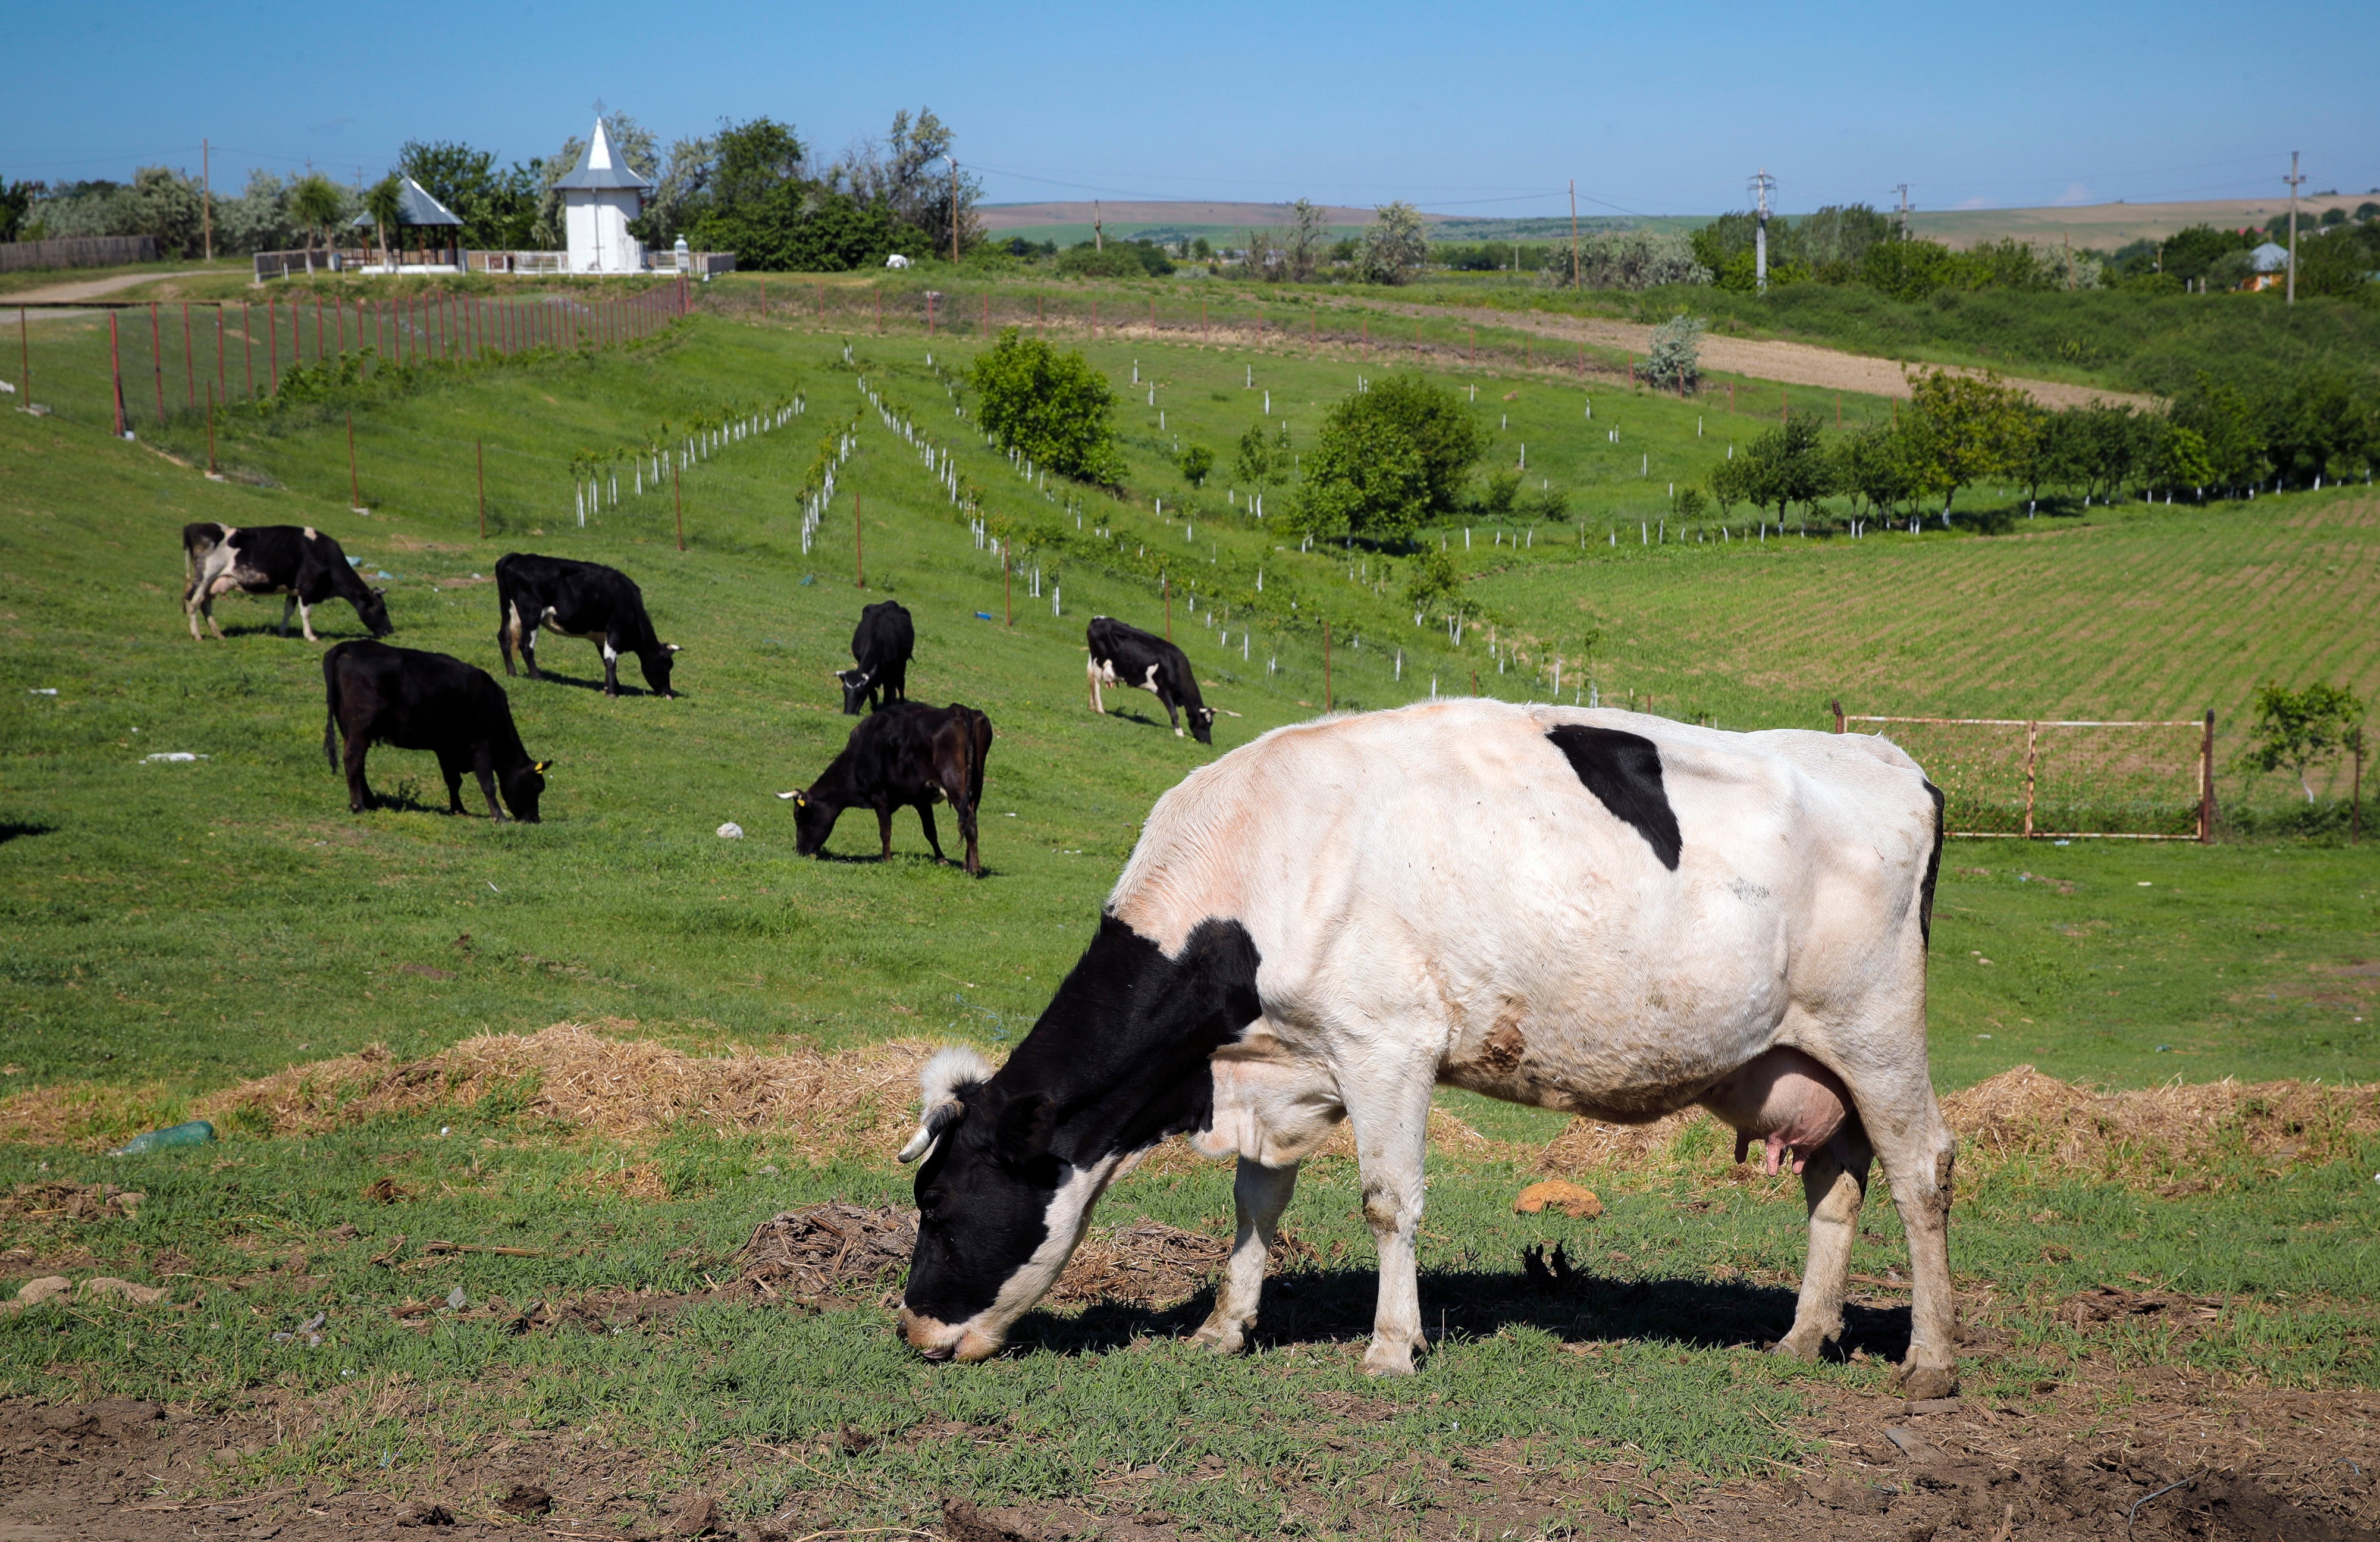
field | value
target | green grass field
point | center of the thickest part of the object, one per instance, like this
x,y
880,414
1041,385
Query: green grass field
x,y
178,926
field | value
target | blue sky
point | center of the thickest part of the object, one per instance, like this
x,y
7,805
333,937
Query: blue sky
x,y
1483,110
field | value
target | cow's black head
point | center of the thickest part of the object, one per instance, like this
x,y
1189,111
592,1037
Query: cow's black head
x,y
373,608
813,821
657,664
855,689
1202,724
523,785
998,1213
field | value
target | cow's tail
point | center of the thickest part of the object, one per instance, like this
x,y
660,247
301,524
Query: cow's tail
x,y
1932,870
331,708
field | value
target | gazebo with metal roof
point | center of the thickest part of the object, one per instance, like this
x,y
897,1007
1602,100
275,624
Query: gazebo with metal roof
x,y
418,209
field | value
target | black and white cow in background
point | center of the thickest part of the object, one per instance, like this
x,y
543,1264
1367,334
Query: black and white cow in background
x,y
904,756
579,600
410,699
1123,655
1588,910
881,645
297,561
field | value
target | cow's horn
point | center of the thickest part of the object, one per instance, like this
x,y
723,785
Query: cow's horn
x,y
674,648
919,1144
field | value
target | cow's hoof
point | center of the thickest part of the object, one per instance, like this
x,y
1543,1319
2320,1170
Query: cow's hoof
x,y
1223,1337
1809,1348
1388,1360
1918,1383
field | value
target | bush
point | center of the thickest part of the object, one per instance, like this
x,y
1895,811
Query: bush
x,y
1674,363
1119,259
1198,464
1387,458
1054,408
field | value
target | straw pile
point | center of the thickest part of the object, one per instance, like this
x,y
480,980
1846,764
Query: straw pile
x,y
2146,1136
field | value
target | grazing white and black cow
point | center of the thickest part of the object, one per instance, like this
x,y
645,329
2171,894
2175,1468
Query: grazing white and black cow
x,y
1594,911
296,561
881,645
583,599
410,699
1123,655
904,756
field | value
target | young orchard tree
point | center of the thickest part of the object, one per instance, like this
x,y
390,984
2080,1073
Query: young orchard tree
x,y
1965,428
1673,362
1386,458
1198,464
1395,244
2295,730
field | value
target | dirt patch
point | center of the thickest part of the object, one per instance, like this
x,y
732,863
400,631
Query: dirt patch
x,y
828,1250
69,1201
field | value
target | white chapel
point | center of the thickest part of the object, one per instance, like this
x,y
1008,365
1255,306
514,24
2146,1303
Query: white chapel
x,y
598,197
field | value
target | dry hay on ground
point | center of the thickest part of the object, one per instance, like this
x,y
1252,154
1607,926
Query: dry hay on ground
x,y
570,1073
2162,1136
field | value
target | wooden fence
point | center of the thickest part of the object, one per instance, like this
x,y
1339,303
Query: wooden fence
x,y
85,251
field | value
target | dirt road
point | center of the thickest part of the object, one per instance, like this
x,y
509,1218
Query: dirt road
x,y
1769,358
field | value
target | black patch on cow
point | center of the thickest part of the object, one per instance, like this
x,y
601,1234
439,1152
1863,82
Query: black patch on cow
x,y
1624,770
1932,870
1117,1063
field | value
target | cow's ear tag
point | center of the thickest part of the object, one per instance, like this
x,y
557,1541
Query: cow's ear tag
x,y
542,767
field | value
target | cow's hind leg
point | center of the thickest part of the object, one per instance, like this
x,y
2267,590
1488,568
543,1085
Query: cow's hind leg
x,y
305,620
358,795
1904,1124
884,830
1093,670
1834,1181
288,608
1388,1108
926,817
1258,1195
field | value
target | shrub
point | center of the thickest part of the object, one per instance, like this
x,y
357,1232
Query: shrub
x,y
1387,457
1054,408
1198,462
1674,363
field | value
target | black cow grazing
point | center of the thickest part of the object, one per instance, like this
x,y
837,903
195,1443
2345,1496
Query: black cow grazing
x,y
416,701
1123,655
903,756
297,561
579,600
881,645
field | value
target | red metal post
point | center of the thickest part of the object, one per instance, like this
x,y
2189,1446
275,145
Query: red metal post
x,y
115,372
483,449
1326,666
157,356
2206,782
1837,706
247,347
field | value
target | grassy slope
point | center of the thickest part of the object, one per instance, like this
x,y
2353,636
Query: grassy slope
x,y
200,922
176,926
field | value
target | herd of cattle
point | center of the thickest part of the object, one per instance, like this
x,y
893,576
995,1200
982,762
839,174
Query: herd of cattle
x,y
1583,909
902,755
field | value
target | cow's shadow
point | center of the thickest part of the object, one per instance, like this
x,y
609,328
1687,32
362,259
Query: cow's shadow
x,y
916,858
325,636
547,677
1335,1306
15,830
1126,714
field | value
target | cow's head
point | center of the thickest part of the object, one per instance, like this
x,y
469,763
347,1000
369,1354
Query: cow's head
x,y
373,608
813,821
523,785
657,667
855,689
998,1212
1202,724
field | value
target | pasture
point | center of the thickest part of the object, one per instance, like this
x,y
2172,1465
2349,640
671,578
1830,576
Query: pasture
x,y
179,928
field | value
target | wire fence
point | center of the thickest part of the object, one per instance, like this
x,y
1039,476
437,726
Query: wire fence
x,y
136,367
2065,779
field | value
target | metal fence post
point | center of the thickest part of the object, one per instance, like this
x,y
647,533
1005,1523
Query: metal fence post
x,y
2206,782
2032,742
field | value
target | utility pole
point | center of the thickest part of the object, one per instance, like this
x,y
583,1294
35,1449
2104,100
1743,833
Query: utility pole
x,y
954,206
1099,236
1573,232
207,205
2293,179
1903,189
1762,185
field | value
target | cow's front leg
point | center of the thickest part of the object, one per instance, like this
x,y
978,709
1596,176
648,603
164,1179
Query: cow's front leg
x,y
611,668
304,621
1834,1181
1258,1195
1389,1109
884,830
1094,673
528,653
488,790
452,769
